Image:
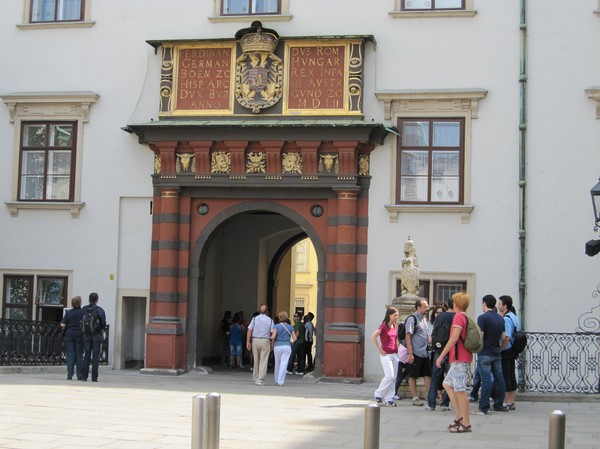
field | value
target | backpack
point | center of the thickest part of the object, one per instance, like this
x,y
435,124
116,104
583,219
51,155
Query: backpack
x,y
474,339
518,340
402,329
441,333
90,322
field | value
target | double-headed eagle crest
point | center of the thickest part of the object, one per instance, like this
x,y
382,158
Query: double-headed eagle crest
x,y
258,72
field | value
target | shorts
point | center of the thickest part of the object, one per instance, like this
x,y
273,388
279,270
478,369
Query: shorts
x,y
456,377
421,367
235,350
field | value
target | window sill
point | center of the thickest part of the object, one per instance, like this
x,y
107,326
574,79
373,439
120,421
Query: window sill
x,y
464,210
46,25
246,18
14,206
429,14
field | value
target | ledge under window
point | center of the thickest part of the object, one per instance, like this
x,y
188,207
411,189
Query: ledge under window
x,y
46,25
593,93
395,209
14,206
429,14
253,17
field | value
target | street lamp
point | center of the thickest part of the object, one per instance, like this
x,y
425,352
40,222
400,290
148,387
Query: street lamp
x,y
595,192
592,247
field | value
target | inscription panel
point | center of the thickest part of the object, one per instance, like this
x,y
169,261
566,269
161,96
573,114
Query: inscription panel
x,y
204,77
316,78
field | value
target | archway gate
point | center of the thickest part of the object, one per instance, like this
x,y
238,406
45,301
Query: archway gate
x,y
225,143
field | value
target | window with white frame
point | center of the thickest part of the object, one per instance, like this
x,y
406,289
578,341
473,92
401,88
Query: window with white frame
x,y
56,10
428,5
48,143
301,252
250,7
430,161
34,297
432,157
437,288
47,161
432,8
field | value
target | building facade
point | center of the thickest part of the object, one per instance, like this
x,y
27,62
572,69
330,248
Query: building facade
x,y
169,157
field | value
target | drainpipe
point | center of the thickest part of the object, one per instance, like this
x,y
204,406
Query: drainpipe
x,y
522,160
522,178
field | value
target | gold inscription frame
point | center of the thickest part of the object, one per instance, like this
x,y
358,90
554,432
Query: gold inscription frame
x,y
352,77
170,76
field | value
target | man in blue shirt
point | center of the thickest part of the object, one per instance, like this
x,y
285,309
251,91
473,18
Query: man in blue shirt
x,y
489,362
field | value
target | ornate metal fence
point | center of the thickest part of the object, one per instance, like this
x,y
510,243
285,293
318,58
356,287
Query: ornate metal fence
x,y
37,343
564,363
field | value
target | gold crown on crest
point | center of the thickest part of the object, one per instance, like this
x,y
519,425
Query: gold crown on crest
x,y
257,38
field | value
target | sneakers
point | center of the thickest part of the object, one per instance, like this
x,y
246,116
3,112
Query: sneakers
x,y
289,372
379,400
472,399
300,373
417,402
504,408
445,408
511,406
478,412
429,409
259,382
391,404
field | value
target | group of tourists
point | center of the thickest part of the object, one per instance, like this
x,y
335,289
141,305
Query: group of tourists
x,y
440,349
287,342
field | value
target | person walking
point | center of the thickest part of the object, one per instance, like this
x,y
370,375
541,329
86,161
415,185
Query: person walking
x,y
488,360
282,347
455,382
71,323
260,331
309,334
93,323
387,333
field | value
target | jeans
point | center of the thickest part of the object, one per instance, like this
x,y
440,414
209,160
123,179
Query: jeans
x,y
437,376
488,366
476,384
74,356
297,352
91,346
402,374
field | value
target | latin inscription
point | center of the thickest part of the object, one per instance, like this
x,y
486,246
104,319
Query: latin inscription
x,y
204,79
316,77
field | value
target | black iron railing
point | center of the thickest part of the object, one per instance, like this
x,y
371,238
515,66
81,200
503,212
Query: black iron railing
x,y
563,363
37,343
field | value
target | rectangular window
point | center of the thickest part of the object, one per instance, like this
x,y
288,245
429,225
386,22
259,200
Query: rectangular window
x,y
430,161
250,7
56,10
432,5
50,293
443,291
47,161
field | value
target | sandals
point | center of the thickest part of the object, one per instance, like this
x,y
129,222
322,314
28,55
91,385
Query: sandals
x,y
460,428
455,424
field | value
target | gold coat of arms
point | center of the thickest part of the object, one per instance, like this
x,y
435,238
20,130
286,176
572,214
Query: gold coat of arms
x,y
258,72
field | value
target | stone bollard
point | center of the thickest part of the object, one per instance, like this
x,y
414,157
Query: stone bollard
x,y
372,420
556,435
206,418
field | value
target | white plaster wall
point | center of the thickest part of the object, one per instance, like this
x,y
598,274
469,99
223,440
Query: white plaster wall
x,y
112,59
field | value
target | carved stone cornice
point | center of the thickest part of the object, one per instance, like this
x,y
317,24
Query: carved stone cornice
x,y
44,103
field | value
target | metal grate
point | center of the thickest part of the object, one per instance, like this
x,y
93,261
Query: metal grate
x,y
37,343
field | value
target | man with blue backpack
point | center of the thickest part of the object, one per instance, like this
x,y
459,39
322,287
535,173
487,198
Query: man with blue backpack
x,y
92,324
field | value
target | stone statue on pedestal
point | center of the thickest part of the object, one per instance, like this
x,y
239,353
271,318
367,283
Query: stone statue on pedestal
x,y
409,277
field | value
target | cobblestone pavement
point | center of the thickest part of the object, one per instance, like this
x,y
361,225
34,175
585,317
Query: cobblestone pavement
x,y
129,410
